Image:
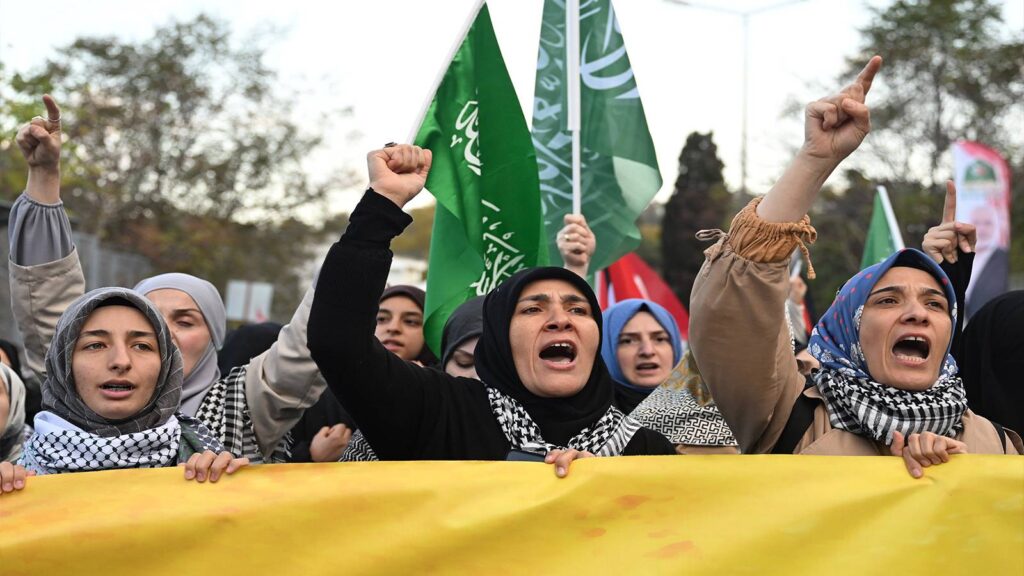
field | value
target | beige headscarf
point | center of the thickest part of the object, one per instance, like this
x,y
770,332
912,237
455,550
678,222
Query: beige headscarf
x,y
13,433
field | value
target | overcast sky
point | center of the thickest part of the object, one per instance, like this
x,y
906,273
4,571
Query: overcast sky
x,y
381,59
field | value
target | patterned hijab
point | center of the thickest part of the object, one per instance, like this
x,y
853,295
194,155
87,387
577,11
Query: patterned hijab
x,y
559,419
615,319
855,401
210,304
59,394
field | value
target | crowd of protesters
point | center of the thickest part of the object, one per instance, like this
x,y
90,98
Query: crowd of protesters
x,y
534,370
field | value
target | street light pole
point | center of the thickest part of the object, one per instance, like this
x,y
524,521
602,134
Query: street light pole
x,y
746,91
745,20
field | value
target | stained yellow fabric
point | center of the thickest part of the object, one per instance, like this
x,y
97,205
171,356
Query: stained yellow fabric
x,y
668,515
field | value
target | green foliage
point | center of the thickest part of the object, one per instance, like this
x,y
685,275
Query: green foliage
x,y
178,147
700,200
842,218
949,75
1017,219
650,245
415,240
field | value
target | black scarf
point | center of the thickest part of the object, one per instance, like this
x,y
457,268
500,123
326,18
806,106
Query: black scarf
x,y
559,419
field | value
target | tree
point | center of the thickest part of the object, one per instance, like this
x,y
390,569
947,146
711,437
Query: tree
x,y
948,74
842,218
415,240
649,225
700,200
181,148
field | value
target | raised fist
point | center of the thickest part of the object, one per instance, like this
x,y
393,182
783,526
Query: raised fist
x,y
398,172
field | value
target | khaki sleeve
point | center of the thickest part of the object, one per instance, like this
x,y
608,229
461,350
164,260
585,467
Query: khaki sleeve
x,y
283,381
39,295
738,330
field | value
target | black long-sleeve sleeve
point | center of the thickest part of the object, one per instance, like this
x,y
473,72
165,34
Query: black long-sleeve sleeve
x,y
405,411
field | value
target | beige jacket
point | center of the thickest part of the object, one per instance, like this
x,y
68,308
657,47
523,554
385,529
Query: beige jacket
x,y
739,337
279,385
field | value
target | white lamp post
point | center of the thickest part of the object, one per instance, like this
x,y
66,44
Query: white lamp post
x,y
745,19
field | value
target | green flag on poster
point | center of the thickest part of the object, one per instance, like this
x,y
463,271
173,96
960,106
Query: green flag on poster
x,y
884,236
619,170
487,221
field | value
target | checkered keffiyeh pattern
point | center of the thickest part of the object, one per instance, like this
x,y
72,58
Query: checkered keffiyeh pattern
x,y
875,410
358,450
607,437
226,412
59,451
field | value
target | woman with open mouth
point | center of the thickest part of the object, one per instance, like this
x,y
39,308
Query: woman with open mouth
x,y
887,383
641,347
643,350
545,389
112,396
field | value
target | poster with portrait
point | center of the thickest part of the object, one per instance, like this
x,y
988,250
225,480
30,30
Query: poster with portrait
x,y
983,198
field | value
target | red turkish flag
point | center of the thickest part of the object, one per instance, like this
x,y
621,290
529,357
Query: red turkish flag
x,y
631,277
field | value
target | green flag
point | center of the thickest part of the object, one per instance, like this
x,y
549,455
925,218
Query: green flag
x,y
487,222
884,236
619,170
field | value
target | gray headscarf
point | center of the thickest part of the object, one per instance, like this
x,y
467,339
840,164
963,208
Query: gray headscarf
x,y
59,393
210,304
12,435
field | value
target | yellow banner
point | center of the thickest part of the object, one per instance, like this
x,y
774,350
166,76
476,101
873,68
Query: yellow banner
x,y
651,515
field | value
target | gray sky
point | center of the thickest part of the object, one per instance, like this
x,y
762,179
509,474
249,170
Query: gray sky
x,y
382,58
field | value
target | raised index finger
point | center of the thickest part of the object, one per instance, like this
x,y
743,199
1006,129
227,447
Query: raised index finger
x,y
867,75
52,110
949,209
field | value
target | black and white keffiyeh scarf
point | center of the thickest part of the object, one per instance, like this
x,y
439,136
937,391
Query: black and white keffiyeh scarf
x,y
867,408
358,449
58,446
608,436
225,411
856,402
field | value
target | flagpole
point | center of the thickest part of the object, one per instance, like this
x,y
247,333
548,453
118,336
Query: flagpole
x,y
572,72
890,218
444,69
